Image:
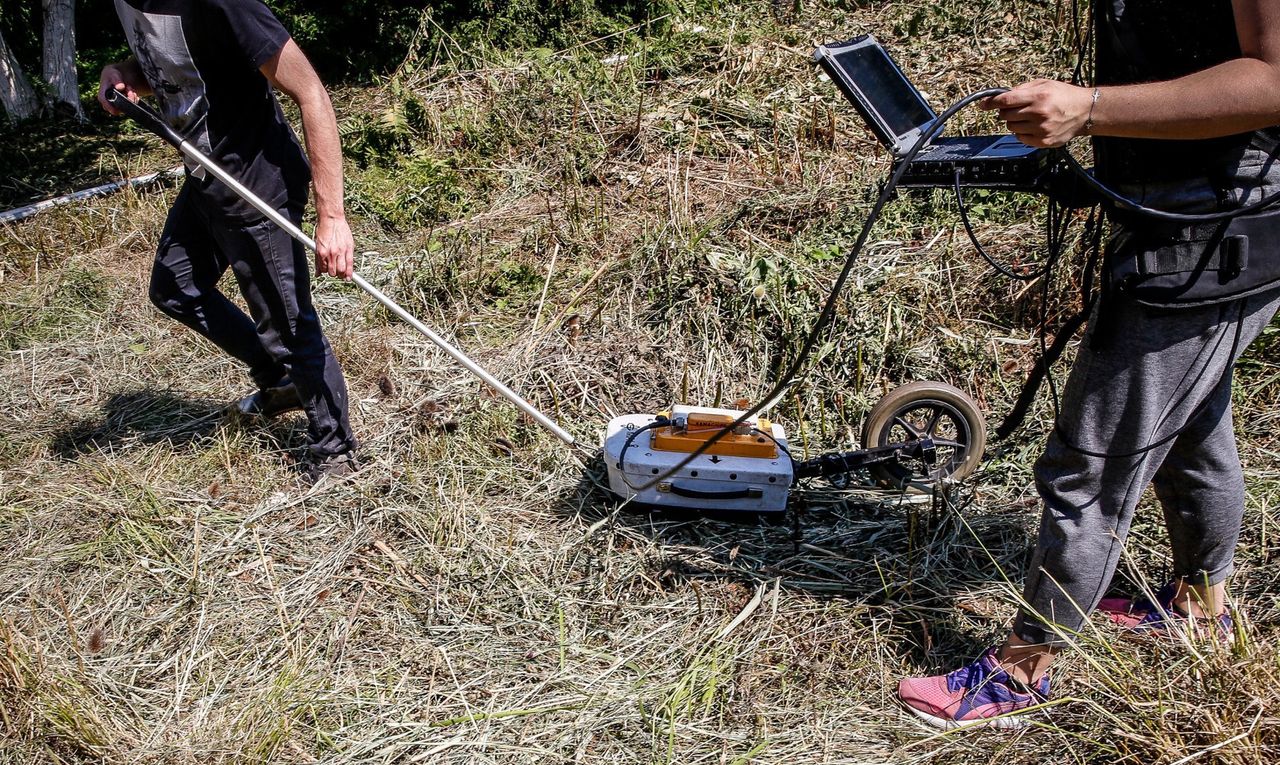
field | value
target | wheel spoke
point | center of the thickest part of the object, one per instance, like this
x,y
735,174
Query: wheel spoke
x,y
907,426
933,421
931,413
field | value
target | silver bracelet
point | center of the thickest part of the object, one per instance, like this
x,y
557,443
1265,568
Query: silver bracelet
x,y
1088,123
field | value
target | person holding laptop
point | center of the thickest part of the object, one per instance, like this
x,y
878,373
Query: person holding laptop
x,y
1182,118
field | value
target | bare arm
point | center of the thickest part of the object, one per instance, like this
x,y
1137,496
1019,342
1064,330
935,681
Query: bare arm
x,y
1235,96
126,77
291,73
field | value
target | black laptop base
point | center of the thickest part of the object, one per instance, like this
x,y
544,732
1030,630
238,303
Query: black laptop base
x,y
1027,173
1047,175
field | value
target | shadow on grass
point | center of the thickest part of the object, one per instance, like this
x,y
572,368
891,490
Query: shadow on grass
x,y
49,158
917,559
148,417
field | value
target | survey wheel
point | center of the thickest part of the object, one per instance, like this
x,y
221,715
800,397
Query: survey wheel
x,y
926,409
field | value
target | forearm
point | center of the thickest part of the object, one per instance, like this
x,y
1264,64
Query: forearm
x,y
1236,96
324,148
291,73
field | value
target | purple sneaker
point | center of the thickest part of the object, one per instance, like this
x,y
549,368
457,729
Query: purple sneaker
x,y
979,693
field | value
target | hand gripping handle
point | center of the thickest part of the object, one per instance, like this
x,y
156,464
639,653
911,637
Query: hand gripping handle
x,y
145,116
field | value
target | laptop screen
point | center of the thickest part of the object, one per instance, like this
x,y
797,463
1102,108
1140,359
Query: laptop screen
x,y
884,85
870,79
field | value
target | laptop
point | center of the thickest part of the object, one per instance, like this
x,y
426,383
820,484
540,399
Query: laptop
x,y
898,115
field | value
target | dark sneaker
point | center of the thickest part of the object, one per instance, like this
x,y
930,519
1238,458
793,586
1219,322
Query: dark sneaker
x,y
979,693
1159,618
333,466
268,402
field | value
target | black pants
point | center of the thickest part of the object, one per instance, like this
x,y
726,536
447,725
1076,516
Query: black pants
x,y
283,338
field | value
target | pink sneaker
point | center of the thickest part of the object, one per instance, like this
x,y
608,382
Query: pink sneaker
x,y
1141,617
979,693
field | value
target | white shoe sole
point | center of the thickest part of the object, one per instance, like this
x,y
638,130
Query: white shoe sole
x,y
1009,721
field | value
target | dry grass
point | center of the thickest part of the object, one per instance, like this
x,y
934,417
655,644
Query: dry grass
x,y
170,592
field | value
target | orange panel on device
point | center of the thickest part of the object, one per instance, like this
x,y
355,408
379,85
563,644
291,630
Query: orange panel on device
x,y
700,429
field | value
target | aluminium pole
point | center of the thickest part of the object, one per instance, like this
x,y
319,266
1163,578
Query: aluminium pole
x,y
152,121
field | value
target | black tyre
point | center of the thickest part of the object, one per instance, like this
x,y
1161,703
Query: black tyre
x,y
936,410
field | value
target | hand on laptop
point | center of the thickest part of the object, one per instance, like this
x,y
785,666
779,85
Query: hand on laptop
x,y
1043,113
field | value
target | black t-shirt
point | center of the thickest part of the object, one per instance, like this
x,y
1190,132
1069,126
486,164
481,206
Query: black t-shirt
x,y
202,59
1151,40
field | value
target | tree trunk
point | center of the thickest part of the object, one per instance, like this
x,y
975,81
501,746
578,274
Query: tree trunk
x,y
16,95
60,55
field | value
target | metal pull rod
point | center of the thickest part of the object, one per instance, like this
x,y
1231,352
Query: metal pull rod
x,y
152,121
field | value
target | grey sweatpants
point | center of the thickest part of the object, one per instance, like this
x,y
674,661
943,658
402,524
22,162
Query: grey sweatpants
x,y
1157,371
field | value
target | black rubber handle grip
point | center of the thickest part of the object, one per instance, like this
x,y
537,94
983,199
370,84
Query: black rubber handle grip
x,y
143,115
736,494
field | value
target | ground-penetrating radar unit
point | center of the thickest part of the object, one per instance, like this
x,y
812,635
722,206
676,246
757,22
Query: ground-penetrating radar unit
x,y
918,435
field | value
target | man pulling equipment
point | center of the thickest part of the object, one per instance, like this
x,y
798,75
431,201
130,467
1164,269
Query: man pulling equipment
x,y
212,65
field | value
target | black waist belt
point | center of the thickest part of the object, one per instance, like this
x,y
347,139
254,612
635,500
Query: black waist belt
x,y
1163,265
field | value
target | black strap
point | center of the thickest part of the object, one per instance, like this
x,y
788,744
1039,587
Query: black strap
x,y
1013,420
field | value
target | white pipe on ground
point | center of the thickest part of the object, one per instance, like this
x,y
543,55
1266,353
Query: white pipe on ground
x,y
22,213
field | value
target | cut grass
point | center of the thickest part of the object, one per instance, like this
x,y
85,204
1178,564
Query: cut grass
x,y
170,592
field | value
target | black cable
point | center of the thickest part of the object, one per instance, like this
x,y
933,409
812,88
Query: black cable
x,y
658,422
886,193
1190,421
778,444
1057,227
828,310
973,237
1055,243
1126,203
1084,43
